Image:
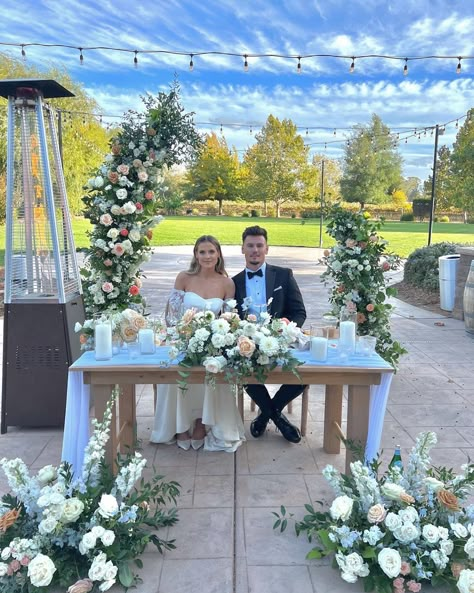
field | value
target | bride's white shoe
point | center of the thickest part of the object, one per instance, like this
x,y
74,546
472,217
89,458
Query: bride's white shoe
x,y
197,443
184,444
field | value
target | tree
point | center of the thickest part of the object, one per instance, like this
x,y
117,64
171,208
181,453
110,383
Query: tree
x,y
85,141
372,167
214,174
462,168
278,168
399,199
443,184
171,196
412,187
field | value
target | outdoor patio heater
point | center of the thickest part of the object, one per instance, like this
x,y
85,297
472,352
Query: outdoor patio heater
x,y
43,294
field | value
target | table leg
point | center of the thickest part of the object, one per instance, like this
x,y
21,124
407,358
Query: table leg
x,y
357,418
100,396
240,400
332,414
127,419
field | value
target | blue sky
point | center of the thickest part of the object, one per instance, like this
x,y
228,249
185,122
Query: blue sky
x,y
324,98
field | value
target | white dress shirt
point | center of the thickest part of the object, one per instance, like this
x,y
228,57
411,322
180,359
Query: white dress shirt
x,y
256,291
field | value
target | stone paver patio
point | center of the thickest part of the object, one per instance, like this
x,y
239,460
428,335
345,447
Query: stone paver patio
x,y
225,541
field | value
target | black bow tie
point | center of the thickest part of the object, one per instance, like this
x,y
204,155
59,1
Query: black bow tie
x,y
257,273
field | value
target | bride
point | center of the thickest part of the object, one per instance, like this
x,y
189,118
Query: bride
x,y
203,414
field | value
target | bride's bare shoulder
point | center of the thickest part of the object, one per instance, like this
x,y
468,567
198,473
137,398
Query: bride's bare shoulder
x,y
181,281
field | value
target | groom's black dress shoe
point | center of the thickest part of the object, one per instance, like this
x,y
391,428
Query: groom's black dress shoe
x,y
288,430
258,425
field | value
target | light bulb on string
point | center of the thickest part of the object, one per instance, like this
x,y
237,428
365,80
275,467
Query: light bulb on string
x,y
23,53
81,57
221,128
246,64
334,133
298,67
307,131
191,63
457,123
251,131
352,67
458,67
135,60
405,68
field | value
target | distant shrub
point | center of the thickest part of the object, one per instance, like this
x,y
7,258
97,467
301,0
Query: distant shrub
x,y
254,213
407,217
444,219
310,213
293,215
212,211
422,267
245,215
470,220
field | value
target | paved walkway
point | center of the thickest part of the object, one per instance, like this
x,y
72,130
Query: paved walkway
x,y
225,541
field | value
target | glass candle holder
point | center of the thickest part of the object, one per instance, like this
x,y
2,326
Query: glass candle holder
x,y
367,345
319,342
347,331
103,339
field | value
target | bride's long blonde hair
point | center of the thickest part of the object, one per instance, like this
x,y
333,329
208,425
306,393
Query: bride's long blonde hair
x,y
194,266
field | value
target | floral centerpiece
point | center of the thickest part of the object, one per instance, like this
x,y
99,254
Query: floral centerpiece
x,y
356,268
83,531
399,530
238,348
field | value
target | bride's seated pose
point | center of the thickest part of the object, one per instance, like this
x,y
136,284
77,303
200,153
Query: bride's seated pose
x,y
203,414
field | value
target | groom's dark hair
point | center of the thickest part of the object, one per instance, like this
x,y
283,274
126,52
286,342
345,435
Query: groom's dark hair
x,y
254,231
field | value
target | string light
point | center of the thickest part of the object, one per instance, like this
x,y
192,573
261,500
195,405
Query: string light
x,y
135,60
23,53
191,63
81,57
298,67
352,68
458,67
246,64
405,68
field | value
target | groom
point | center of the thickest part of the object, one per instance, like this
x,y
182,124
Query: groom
x,y
258,283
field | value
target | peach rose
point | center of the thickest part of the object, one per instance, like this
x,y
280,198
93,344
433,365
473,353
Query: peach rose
x,y
376,513
326,252
246,346
150,195
151,132
129,333
448,500
252,318
107,262
83,338
370,307
82,586
361,318
456,568
405,568
116,149
149,234
139,322
113,176
407,498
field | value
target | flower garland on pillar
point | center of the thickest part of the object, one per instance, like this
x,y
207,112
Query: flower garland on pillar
x,y
356,267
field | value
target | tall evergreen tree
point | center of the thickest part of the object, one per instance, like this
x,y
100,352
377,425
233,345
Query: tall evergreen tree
x,y
372,167
462,166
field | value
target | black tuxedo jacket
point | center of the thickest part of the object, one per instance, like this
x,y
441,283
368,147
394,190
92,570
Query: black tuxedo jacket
x,y
281,285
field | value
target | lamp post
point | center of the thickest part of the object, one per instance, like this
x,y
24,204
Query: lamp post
x,y
321,206
438,132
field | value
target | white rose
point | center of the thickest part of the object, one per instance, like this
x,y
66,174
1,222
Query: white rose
x,y
115,209
465,582
47,525
341,508
134,235
41,570
98,531
356,565
3,569
105,586
446,546
376,513
110,571
409,515
431,533
88,541
390,562
6,552
469,547
459,530
96,571
349,577
213,364
48,473
433,484
439,558
98,181
121,193
113,233
393,521
407,533
392,491
108,538
129,207
72,510
108,506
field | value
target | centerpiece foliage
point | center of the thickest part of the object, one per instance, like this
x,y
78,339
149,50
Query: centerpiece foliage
x,y
84,531
356,267
123,197
238,348
398,530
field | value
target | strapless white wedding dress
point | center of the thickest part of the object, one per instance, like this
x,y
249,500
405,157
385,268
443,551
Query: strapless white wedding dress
x,y
176,410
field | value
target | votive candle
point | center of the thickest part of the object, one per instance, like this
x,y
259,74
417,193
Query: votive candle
x,y
146,338
103,341
347,333
319,348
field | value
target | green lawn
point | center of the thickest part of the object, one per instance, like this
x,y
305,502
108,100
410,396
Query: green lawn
x,y
403,237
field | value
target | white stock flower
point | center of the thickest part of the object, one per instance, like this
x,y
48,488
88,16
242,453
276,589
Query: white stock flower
x,y
341,508
218,340
41,571
108,506
220,326
390,562
269,345
465,582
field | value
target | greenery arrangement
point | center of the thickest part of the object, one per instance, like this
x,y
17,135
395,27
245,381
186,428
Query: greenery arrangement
x,y
398,530
122,199
356,267
422,266
238,348
82,530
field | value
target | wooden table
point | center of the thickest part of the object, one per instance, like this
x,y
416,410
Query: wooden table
x,y
103,378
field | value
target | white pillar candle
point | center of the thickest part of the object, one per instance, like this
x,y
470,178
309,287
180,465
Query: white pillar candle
x,y
146,338
347,332
103,341
319,348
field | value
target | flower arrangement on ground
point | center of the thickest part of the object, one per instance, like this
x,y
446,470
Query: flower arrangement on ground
x,y
123,198
238,348
356,268
81,531
399,530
